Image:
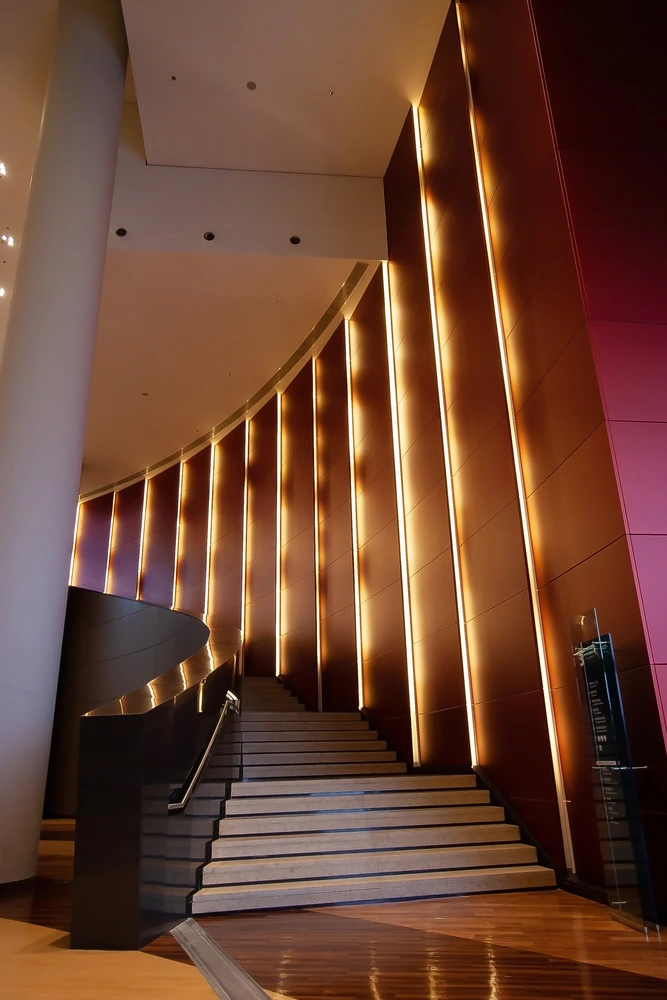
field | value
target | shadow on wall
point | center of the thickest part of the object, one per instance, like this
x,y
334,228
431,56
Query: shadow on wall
x,y
111,645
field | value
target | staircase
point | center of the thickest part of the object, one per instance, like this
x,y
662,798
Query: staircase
x,y
326,814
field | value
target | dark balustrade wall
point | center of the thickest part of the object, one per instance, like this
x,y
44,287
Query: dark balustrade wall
x,y
297,579
570,207
339,647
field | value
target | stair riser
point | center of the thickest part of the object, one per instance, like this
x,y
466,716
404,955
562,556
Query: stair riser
x,y
318,747
227,873
301,823
306,724
256,716
437,885
319,770
307,736
369,800
381,783
322,757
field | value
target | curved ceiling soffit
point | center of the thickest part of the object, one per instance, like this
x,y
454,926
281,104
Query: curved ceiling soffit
x,y
324,326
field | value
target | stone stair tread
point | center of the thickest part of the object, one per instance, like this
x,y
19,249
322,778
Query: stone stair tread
x,y
320,770
292,867
305,723
314,746
325,736
337,786
380,886
318,757
349,801
256,716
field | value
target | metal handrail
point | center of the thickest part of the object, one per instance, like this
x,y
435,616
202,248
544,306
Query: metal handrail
x,y
231,701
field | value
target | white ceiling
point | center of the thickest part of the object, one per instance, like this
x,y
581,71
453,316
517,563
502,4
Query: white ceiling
x,y
373,54
174,321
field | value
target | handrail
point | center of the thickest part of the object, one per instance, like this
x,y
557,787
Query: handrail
x,y
231,701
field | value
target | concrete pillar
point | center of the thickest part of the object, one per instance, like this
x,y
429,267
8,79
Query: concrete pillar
x,y
44,386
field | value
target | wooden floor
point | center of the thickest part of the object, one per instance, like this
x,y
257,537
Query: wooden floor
x,y
519,946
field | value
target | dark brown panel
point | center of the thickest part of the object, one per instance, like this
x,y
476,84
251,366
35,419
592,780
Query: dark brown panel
x,y
443,738
259,650
298,607
227,530
92,543
126,541
191,576
157,577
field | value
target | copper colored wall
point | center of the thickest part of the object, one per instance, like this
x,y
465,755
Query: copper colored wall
x,y
157,578
339,650
298,617
92,543
191,578
383,636
260,632
606,84
507,690
126,541
227,530
443,727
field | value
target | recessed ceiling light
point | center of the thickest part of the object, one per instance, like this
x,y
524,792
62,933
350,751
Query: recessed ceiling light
x,y
2,292
9,240
173,77
251,85
209,236
295,240
331,93
3,170
121,231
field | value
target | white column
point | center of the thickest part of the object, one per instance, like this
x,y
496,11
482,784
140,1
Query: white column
x,y
44,386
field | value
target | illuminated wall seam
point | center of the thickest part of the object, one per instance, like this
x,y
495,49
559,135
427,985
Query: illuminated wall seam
x,y
142,536
518,468
449,478
74,541
244,536
209,529
353,516
178,532
279,500
400,510
316,543
111,524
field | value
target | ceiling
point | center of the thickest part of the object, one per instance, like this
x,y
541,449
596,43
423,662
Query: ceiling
x,y
175,319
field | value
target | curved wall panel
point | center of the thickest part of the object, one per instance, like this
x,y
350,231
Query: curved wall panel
x,y
126,541
160,536
227,518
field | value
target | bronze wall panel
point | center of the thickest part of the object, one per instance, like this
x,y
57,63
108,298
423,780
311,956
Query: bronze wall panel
x,y
126,541
227,530
92,543
259,649
157,578
191,577
298,608
339,649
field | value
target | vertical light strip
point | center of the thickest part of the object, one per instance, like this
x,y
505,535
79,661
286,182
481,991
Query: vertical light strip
x,y
178,532
279,500
449,479
353,513
400,509
316,497
518,469
142,540
111,524
74,540
244,537
209,530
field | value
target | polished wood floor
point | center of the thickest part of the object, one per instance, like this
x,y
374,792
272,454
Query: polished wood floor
x,y
520,946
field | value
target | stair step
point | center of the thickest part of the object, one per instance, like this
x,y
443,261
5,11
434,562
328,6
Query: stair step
x,y
292,735
291,868
336,786
234,826
312,770
307,722
260,708
318,757
283,748
364,840
219,899
267,805
296,716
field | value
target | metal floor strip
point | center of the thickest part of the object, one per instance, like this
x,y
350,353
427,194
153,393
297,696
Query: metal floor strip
x,y
225,977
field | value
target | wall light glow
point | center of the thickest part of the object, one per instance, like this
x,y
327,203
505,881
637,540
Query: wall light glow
x,y
449,479
279,501
518,469
178,533
353,512
316,497
209,530
110,543
244,539
74,541
142,540
400,507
